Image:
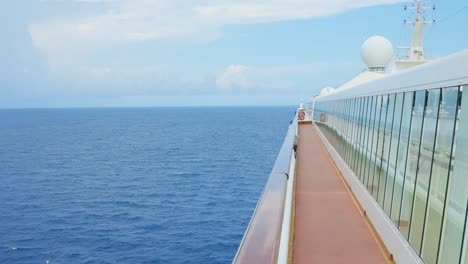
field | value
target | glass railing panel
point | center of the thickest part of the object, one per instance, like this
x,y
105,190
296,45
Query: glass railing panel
x,y
354,133
368,143
424,168
411,169
349,151
362,144
373,143
394,144
380,142
440,171
341,105
455,220
402,148
386,149
402,156
348,113
372,178
357,134
361,136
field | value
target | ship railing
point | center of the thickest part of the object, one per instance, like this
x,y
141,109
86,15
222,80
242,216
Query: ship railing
x,y
438,185
266,232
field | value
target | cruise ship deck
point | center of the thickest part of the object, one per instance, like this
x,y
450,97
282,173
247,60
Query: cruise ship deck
x,y
329,226
379,175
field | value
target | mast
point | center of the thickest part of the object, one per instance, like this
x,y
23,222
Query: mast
x,y
415,53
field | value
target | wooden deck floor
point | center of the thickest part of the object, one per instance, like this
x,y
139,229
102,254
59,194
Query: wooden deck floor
x,y
328,226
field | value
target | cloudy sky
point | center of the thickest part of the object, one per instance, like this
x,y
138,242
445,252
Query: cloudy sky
x,y
106,53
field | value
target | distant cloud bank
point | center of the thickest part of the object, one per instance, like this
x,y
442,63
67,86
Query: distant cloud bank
x,y
66,40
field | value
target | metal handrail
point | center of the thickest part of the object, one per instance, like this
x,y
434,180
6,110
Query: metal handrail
x,y
262,238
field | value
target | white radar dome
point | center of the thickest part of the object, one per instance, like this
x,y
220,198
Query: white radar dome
x,y
327,90
377,52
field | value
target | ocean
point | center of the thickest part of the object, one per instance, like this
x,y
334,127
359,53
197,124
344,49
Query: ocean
x,y
136,185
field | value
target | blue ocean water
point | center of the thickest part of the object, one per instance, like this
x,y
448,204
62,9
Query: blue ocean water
x,y
147,185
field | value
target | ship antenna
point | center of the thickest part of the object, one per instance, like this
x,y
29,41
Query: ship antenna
x,y
416,51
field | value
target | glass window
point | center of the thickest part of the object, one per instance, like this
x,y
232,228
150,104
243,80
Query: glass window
x,y
402,156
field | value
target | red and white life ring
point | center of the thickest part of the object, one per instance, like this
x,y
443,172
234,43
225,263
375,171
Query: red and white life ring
x,y
323,117
301,115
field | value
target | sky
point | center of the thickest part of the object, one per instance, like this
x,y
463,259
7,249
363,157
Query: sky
x,y
145,53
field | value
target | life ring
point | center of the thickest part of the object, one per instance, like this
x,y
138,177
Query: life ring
x,y
323,117
301,115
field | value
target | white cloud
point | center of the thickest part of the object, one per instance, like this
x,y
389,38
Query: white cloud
x,y
234,76
100,72
66,40
283,77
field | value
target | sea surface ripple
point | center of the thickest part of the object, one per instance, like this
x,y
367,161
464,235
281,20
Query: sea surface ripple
x,y
143,185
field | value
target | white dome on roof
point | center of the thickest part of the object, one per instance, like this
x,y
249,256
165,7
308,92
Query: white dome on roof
x,y
327,90
377,52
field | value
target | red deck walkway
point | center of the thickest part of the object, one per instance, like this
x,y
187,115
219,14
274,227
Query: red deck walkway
x,y
328,226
